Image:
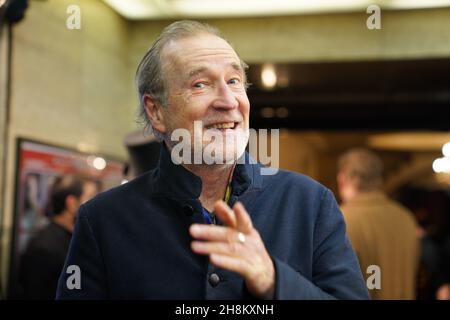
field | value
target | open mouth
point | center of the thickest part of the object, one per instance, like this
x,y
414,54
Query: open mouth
x,y
223,125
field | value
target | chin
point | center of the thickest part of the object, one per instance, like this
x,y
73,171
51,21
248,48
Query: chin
x,y
226,151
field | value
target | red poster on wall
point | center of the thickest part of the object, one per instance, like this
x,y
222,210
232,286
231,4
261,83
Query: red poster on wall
x,y
38,167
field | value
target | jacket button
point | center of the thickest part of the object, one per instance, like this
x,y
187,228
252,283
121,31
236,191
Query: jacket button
x,y
214,279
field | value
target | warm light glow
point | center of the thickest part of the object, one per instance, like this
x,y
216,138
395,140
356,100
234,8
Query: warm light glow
x,y
158,9
421,141
135,9
437,165
85,147
268,76
441,165
446,149
99,163
282,80
282,112
267,112
416,4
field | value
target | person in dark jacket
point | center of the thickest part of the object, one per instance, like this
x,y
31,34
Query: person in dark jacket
x,y
220,229
43,260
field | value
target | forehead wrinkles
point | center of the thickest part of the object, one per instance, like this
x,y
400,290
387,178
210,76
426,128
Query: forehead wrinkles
x,y
201,52
206,56
185,51
179,57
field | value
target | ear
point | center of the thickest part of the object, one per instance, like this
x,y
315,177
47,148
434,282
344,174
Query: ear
x,y
154,112
341,180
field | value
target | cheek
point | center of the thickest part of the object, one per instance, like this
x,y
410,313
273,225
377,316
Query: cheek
x,y
184,113
178,111
196,107
245,106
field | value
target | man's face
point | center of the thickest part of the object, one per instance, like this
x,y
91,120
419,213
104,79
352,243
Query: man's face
x,y
205,82
90,190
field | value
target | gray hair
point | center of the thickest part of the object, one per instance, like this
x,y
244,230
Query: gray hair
x,y
362,167
149,76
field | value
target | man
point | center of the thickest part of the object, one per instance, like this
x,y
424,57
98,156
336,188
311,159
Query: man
x,y
168,235
44,257
383,233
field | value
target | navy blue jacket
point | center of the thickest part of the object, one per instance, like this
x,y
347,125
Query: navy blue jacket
x,y
132,242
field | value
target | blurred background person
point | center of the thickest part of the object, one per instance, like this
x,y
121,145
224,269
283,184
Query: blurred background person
x,y
382,232
143,152
44,257
431,211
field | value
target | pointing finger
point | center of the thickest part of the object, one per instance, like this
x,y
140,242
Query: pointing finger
x,y
225,214
243,221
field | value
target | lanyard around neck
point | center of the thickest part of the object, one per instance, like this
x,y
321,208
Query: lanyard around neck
x,y
210,218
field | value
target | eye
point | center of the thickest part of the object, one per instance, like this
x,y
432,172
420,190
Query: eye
x,y
199,85
234,81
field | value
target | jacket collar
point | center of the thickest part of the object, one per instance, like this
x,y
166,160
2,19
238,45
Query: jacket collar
x,y
178,183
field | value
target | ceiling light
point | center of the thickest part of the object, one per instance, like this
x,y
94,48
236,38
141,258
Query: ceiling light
x,y
136,9
157,9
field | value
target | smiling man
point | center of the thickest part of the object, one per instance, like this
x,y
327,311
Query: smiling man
x,y
200,229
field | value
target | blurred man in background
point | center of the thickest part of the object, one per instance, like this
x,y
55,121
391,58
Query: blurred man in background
x,y
382,232
44,257
431,208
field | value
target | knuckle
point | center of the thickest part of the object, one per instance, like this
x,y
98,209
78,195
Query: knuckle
x,y
230,237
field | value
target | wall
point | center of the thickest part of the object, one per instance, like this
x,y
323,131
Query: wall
x,y
404,34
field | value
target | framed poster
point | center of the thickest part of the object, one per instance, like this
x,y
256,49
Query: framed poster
x,y
38,165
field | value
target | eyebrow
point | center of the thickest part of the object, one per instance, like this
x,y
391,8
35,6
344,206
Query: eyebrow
x,y
237,67
199,70
196,72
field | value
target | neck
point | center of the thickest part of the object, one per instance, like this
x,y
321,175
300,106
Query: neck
x,y
65,220
214,182
353,193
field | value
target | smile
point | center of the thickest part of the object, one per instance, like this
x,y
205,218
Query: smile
x,y
223,125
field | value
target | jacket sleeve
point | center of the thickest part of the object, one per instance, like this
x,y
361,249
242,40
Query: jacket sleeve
x,y
335,272
84,252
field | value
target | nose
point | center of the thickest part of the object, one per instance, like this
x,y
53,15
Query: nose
x,y
225,98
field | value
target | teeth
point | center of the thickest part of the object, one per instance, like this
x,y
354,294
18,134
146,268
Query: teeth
x,y
225,125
